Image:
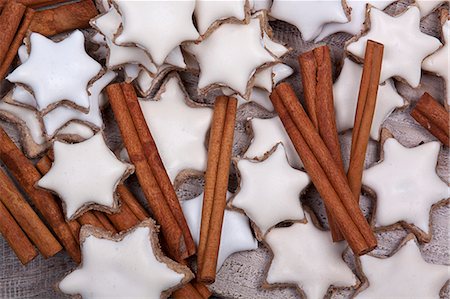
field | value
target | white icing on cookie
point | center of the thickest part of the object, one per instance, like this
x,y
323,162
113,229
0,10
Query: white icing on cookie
x,y
345,91
438,61
236,232
57,71
258,5
406,184
179,130
309,16
269,132
405,46
22,96
207,12
273,47
58,117
307,257
144,82
166,25
108,25
270,190
427,6
230,55
127,268
29,117
84,173
358,16
403,275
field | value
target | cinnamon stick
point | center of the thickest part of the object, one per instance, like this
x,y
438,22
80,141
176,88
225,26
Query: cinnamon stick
x,y
35,3
28,220
15,237
214,145
10,19
187,292
67,17
433,117
127,197
365,111
125,219
209,266
27,175
323,170
156,164
202,289
171,232
318,90
75,228
16,43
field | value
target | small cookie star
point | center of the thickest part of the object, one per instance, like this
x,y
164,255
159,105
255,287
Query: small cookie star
x,y
230,56
270,190
406,184
309,16
307,257
357,18
268,132
236,232
345,91
405,46
427,6
178,129
403,275
127,265
166,25
57,71
208,12
60,116
84,174
438,62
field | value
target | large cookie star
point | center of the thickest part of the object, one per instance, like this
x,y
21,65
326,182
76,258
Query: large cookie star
x,y
403,275
57,71
309,16
236,232
270,190
230,56
405,46
127,265
345,91
358,16
85,174
307,257
208,12
406,184
178,129
438,61
165,24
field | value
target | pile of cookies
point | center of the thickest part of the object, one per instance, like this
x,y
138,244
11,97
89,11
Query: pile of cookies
x,y
156,139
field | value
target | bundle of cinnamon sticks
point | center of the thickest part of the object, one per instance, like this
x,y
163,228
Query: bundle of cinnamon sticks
x,y
315,139
216,186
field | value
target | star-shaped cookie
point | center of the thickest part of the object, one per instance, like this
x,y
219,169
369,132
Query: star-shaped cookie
x,y
406,184
427,6
129,265
345,91
405,46
270,190
405,274
357,18
230,55
60,116
57,72
306,257
309,16
209,12
268,132
166,25
84,175
438,62
236,232
179,130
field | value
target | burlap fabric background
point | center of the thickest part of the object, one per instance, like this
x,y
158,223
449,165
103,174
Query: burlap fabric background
x,y
243,273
